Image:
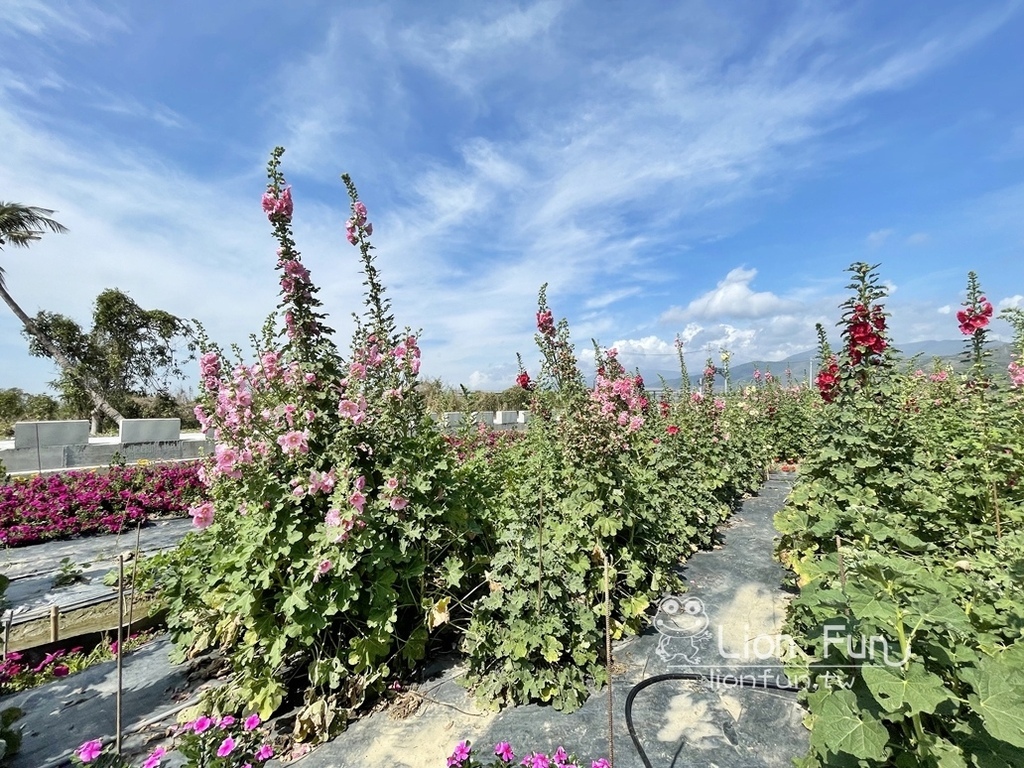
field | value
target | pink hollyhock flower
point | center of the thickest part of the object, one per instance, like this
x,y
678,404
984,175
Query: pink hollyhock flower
x,y
1016,374
459,756
274,205
324,567
360,483
672,429
226,747
202,724
89,751
155,757
391,483
294,442
265,752
357,500
202,516
333,518
398,503
252,722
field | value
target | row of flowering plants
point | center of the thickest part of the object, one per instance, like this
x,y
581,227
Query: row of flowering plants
x,y
82,502
344,537
905,534
605,495
205,741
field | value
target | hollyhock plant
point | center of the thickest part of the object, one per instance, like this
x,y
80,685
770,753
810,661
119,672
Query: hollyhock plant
x,y
307,438
974,319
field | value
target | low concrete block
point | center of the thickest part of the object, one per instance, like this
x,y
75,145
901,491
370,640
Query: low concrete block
x,y
150,430
506,417
47,434
484,417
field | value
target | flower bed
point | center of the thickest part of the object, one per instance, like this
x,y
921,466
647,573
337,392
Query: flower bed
x,y
78,503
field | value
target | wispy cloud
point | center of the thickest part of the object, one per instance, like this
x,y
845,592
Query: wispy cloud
x,y
878,238
499,147
42,19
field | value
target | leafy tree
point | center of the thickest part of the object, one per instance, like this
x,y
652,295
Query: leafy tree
x,y
20,225
129,352
17,405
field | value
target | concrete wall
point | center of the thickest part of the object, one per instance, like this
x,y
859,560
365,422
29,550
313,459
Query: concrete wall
x,y
499,420
67,445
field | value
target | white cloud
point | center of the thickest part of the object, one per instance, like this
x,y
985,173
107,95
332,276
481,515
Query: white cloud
x,y
919,238
945,309
877,238
732,297
1016,301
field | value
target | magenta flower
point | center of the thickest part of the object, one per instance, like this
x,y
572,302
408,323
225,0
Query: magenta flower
x,y
602,763
504,750
459,756
89,751
398,503
265,752
202,724
252,722
226,722
226,747
155,757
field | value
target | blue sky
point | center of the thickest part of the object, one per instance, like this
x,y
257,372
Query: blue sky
x,y
704,169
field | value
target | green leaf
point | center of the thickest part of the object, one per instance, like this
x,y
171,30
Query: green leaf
x,y
912,687
998,698
840,726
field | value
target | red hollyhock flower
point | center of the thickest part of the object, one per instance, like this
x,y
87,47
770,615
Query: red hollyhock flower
x,y
523,380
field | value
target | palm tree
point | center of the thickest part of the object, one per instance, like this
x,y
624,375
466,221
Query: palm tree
x,y
19,226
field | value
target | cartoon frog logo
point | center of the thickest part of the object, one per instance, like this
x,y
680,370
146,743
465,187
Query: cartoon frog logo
x,y
682,624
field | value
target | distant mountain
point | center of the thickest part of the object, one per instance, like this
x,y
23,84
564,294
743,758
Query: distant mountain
x,y
802,366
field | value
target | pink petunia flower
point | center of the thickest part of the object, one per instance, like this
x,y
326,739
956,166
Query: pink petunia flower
x,y
459,756
226,747
252,722
89,751
265,752
504,750
155,758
